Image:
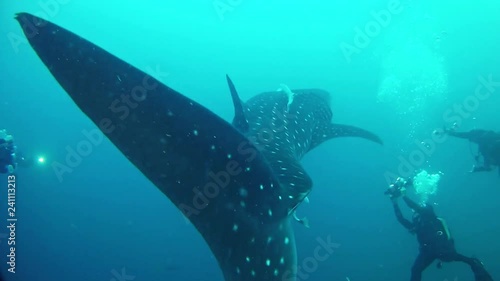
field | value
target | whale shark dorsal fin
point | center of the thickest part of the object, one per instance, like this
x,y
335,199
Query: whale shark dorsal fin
x,y
239,121
330,131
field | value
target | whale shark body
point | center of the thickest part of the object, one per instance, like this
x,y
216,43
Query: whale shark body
x,y
237,183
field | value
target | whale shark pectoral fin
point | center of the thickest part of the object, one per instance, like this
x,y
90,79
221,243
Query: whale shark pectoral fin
x,y
296,184
239,121
208,169
331,131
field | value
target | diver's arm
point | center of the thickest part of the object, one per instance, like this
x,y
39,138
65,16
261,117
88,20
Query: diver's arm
x,y
461,135
412,204
406,223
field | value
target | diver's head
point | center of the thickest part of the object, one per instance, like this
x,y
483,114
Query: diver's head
x,y
426,212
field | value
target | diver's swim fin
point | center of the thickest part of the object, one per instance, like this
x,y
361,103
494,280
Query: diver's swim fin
x,y
480,273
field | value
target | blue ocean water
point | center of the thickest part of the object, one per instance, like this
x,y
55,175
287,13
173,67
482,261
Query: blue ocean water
x,y
399,69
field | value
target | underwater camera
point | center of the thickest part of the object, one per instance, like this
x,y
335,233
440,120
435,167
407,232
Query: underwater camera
x,y
424,185
395,189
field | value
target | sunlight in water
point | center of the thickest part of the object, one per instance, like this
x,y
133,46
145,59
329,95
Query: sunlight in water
x,y
413,78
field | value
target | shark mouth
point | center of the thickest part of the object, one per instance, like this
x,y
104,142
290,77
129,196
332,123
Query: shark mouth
x,y
237,184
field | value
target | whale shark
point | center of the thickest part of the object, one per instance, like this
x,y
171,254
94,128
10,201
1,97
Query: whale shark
x,y
238,183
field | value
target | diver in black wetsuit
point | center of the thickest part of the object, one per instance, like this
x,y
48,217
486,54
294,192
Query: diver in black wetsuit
x,y
10,157
7,153
433,236
488,145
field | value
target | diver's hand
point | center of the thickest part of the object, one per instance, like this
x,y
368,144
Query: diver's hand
x,y
402,191
438,132
441,132
444,130
473,170
398,192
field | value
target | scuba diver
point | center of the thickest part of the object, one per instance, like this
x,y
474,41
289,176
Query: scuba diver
x,y
488,145
10,157
433,235
7,153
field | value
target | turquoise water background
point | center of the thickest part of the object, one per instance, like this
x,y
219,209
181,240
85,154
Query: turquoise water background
x,y
399,69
